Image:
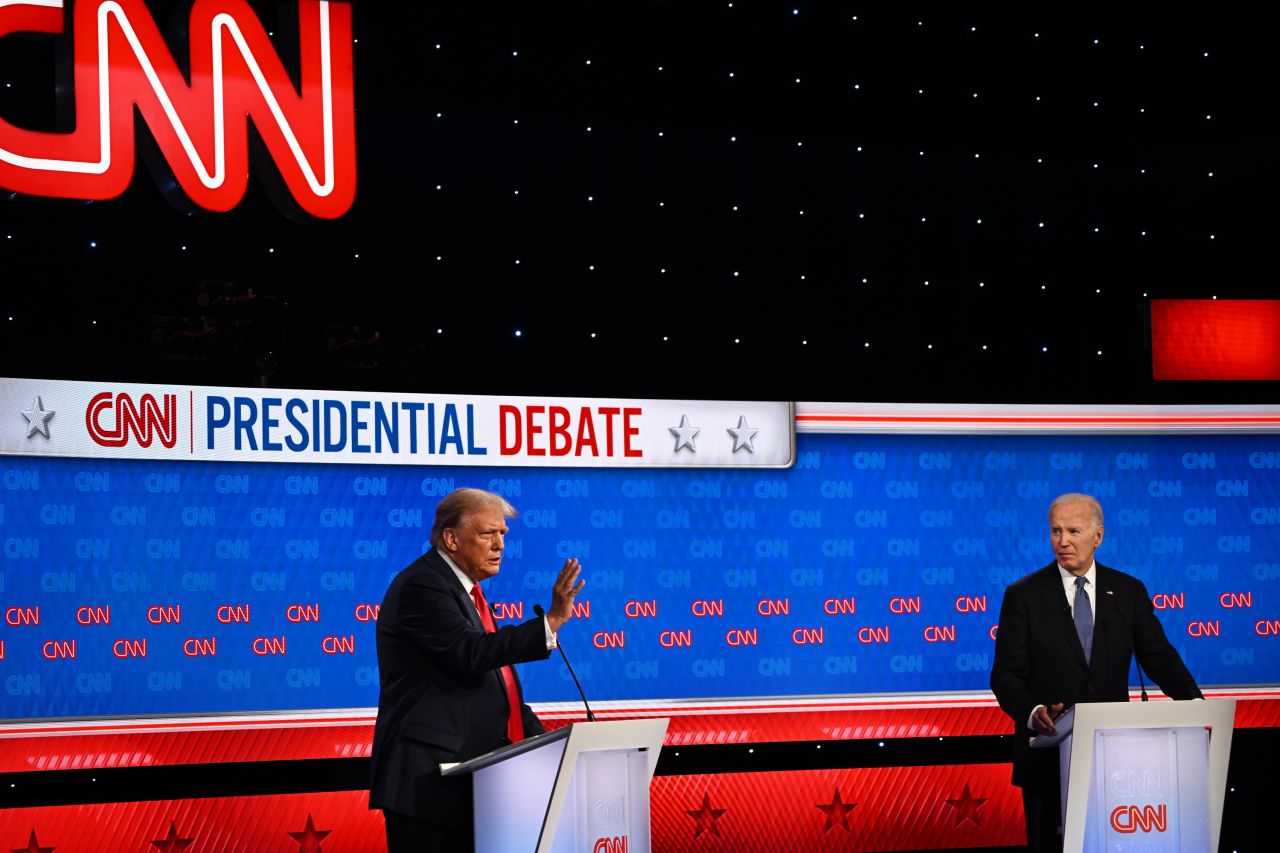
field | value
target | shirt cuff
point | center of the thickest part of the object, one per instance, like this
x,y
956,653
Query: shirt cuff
x,y
1031,719
551,636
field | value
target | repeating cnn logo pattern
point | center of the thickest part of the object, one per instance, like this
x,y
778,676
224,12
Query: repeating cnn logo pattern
x,y
121,62
876,565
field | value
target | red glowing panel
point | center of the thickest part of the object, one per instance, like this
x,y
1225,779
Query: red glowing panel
x,y
282,823
146,743
875,809
1215,339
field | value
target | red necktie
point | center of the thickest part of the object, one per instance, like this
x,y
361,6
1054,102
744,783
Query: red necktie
x,y
515,726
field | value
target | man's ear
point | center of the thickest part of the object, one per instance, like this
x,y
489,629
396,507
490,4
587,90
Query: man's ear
x,y
450,539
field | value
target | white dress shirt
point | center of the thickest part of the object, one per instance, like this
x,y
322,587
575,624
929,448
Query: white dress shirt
x,y
468,583
1091,584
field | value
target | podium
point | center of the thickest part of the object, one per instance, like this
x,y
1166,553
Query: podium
x,y
583,788
1145,776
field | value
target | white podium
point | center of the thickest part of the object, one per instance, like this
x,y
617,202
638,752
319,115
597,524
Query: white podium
x,y
583,788
1147,776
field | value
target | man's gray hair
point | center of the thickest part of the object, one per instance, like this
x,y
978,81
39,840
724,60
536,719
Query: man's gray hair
x,y
1095,508
458,504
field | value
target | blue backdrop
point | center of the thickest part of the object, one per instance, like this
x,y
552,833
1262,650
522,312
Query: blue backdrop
x,y
876,565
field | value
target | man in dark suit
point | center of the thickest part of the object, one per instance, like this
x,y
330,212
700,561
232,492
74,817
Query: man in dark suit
x,y
448,687
1067,633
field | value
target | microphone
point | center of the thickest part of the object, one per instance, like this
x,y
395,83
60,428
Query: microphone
x,y
591,718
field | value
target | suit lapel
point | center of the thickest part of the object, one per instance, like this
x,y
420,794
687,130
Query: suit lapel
x,y
1105,604
460,597
1056,598
1105,608
468,605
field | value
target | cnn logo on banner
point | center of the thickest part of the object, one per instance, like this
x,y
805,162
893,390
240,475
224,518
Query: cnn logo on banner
x,y
201,128
616,844
145,421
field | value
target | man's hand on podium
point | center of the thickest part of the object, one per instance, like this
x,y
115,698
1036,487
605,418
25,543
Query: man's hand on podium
x,y
566,588
1042,719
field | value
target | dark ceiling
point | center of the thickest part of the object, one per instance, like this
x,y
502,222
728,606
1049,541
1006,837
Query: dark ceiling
x,y
813,201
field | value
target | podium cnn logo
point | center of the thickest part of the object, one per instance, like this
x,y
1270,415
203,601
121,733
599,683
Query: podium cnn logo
x,y
201,128
1130,819
617,844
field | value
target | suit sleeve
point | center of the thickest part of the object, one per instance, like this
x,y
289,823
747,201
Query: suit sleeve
x,y
532,725
1011,672
431,619
1156,654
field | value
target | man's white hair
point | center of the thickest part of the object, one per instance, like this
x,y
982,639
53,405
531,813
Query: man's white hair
x,y
1095,508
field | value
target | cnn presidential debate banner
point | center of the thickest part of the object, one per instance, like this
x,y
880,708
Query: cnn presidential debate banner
x,y
215,550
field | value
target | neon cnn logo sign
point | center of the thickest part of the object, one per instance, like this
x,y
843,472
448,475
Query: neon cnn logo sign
x,y
201,128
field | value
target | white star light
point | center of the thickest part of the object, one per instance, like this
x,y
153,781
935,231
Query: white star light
x,y
743,435
685,434
38,419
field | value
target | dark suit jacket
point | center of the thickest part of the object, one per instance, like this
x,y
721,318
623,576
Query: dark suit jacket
x,y
1039,659
442,697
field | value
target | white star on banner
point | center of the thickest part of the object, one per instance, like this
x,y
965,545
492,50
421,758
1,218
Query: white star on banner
x,y
743,436
38,419
685,434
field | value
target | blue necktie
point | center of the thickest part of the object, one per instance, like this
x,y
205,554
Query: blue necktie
x,y
1084,618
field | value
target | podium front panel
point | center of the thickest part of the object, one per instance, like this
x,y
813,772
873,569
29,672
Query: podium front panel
x,y
607,810
1148,791
522,792
1146,778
